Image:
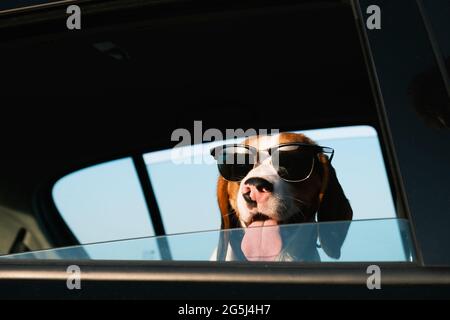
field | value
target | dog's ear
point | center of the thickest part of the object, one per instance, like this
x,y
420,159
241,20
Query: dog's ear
x,y
229,218
333,207
226,197
224,203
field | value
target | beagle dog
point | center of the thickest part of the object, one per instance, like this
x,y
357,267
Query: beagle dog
x,y
268,181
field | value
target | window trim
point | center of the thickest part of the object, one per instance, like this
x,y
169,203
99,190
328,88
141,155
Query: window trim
x,y
219,280
152,206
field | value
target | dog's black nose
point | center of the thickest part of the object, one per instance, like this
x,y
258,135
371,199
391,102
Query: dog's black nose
x,y
261,184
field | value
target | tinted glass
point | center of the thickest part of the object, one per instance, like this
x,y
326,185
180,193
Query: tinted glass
x,y
386,240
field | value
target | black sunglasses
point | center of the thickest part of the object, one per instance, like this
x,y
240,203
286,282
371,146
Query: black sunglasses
x,y
294,162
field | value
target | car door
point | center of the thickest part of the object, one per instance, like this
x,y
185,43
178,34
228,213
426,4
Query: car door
x,y
412,154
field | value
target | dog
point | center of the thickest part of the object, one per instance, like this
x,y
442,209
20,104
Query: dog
x,y
269,181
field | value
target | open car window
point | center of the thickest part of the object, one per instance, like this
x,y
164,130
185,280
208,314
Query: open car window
x,y
184,183
357,148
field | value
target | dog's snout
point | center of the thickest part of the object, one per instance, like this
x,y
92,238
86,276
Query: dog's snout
x,y
256,190
262,185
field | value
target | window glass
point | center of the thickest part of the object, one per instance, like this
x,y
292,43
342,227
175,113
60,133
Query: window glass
x,y
103,202
386,240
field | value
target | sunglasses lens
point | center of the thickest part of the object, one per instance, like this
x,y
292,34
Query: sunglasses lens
x,y
234,162
293,162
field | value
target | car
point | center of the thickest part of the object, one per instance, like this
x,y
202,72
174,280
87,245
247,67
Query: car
x,y
92,118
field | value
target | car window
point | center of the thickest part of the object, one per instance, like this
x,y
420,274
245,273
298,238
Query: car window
x,y
103,202
106,202
227,72
357,148
185,188
378,240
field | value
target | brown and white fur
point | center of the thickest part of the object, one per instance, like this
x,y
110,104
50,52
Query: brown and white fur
x,y
319,197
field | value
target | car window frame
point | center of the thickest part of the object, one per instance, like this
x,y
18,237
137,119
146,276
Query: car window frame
x,y
427,252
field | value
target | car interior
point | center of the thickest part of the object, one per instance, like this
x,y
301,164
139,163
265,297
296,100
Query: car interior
x,y
121,85
81,107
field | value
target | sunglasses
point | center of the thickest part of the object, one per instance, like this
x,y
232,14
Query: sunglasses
x,y
294,162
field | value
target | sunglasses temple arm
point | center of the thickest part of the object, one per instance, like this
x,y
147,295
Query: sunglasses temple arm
x,y
332,155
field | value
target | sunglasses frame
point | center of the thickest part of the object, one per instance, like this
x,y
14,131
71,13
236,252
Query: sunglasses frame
x,y
255,152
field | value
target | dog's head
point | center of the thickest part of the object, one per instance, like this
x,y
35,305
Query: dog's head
x,y
286,183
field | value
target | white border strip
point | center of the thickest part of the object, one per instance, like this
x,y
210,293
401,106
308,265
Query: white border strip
x,y
317,135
